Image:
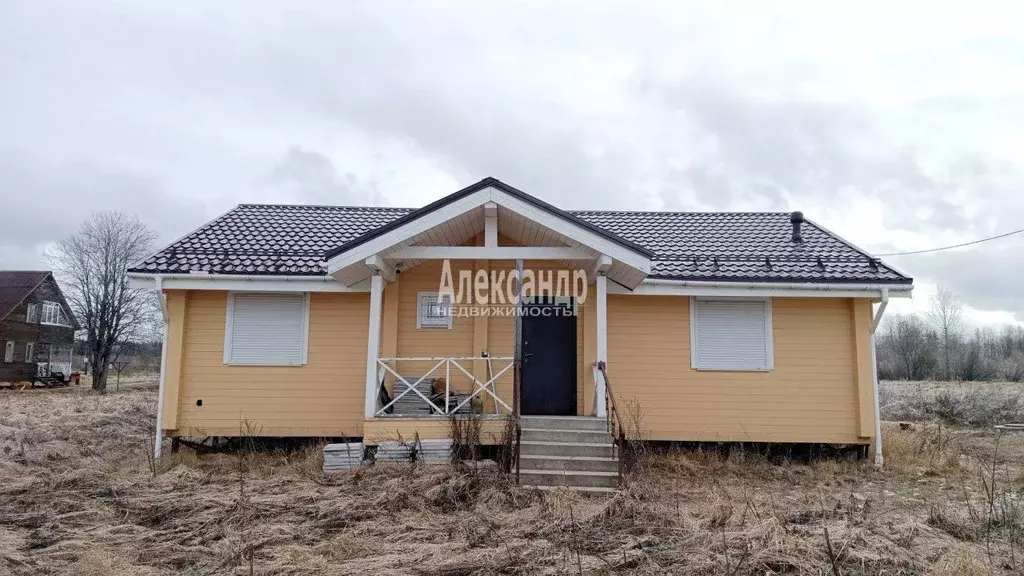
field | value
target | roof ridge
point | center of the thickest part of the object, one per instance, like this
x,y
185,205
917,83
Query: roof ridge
x,y
740,212
328,206
610,212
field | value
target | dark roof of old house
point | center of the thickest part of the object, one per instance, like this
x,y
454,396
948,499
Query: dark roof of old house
x,y
16,285
254,239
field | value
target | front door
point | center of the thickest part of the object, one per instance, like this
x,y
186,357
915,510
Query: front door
x,y
549,359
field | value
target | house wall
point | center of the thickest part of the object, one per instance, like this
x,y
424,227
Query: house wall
x,y
816,392
322,398
14,328
819,391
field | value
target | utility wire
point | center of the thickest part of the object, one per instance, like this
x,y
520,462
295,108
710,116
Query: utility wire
x,y
953,246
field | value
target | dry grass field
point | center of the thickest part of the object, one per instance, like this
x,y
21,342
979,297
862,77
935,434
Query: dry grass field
x,y
78,495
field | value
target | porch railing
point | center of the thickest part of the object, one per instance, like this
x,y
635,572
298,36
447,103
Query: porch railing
x,y
443,365
44,369
612,414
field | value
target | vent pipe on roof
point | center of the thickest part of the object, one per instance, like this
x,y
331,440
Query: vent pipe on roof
x,y
797,218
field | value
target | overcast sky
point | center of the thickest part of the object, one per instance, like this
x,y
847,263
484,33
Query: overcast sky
x,y
898,125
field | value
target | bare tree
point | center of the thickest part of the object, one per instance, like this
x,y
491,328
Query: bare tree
x,y
945,314
904,350
92,267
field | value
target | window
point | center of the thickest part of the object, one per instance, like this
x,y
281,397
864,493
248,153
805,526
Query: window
x,y
731,334
266,329
433,311
9,352
32,314
30,349
52,314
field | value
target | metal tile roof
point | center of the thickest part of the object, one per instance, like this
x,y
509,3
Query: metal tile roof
x,y
16,285
258,239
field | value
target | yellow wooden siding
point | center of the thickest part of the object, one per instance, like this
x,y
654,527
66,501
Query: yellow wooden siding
x,y
377,430
860,309
176,322
810,396
322,398
819,391
416,342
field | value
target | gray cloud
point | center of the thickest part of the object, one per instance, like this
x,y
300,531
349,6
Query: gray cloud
x,y
43,202
987,279
178,110
312,179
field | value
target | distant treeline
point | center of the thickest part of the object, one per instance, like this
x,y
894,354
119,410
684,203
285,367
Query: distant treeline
x,y
936,346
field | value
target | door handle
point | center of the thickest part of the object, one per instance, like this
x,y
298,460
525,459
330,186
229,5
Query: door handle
x,y
526,356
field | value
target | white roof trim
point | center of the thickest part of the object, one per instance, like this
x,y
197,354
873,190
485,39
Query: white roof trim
x,y
241,283
479,198
659,287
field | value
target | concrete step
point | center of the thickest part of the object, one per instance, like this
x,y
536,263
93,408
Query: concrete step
x,y
564,449
557,435
564,422
568,478
577,463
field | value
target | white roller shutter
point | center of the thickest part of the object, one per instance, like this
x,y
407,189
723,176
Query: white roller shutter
x,y
266,329
731,334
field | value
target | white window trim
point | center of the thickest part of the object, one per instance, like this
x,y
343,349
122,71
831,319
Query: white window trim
x,y
229,324
28,313
30,352
768,335
60,312
9,351
419,311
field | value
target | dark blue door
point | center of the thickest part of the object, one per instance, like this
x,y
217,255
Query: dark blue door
x,y
549,359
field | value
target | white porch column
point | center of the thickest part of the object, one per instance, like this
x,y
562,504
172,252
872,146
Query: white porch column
x,y
373,344
602,341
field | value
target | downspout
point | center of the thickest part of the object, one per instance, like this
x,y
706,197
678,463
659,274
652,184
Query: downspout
x,y
879,459
159,442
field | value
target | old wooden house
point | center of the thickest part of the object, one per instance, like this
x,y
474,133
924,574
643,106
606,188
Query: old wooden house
x,y
37,328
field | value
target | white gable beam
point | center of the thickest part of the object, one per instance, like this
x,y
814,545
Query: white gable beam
x,y
491,253
576,232
600,267
490,224
409,230
382,268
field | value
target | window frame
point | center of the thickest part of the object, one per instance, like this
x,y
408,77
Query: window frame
x,y
32,307
768,333
419,310
229,329
60,312
9,352
30,352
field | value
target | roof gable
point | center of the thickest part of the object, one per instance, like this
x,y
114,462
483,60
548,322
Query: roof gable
x,y
472,189
16,285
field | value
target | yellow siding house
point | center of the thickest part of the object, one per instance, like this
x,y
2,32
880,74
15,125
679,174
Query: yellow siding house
x,y
378,323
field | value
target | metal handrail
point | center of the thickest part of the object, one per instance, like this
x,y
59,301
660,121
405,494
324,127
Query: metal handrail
x,y
517,414
614,419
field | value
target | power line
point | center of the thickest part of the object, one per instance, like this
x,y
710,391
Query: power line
x,y
953,246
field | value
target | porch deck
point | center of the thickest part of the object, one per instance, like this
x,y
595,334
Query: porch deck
x,y
391,428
